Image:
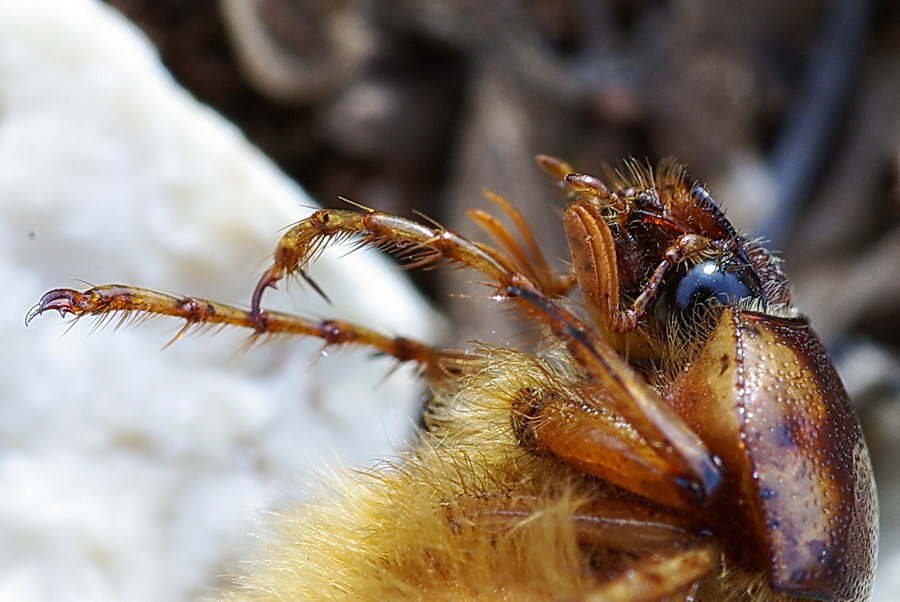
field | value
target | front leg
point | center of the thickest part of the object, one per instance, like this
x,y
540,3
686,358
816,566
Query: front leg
x,y
416,244
411,241
610,422
130,302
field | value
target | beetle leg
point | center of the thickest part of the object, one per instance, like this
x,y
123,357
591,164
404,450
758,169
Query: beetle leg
x,y
108,300
612,524
684,247
416,243
659,456
672,553
660,576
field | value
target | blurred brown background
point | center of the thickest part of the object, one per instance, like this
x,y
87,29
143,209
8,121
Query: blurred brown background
x,y
788,109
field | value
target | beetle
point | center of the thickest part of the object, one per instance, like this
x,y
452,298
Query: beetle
x,y
680,433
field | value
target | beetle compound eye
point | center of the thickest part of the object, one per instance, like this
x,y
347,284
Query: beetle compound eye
x,y
709,282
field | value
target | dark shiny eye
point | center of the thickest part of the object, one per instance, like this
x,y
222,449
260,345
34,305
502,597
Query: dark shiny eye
x,y
708,282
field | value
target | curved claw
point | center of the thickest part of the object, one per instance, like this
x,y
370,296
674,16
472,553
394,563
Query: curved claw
x,y
268,279
63,300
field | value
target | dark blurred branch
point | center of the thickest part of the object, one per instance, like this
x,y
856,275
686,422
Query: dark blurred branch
x,y
809,129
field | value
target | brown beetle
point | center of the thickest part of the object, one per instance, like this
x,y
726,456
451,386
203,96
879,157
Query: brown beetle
x,y
681,435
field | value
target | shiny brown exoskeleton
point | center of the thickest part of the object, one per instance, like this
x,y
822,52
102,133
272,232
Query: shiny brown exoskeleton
x,y
691,414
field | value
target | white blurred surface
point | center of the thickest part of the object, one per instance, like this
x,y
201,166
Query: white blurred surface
x,y
127,472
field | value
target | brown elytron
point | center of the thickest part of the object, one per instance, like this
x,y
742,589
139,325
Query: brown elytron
x,y
682,435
